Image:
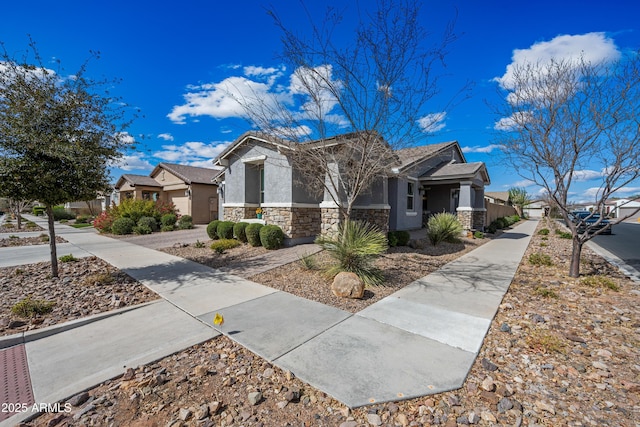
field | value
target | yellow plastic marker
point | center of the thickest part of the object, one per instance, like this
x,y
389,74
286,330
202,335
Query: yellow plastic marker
x,y
218,320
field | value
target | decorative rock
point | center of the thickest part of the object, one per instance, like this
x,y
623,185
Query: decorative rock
x,y
504,405
200,371
202,412
184,414
505,327
214,407
536,318
488,384
254,397
79,399
473,418
374,419
349,424
90,407
282,404
347,285
129,374
545,407
574,338
402,419
488,417
268,373
486,364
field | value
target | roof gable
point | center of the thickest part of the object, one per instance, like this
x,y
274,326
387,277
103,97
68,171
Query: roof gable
x,y
134,180
189,174
408,157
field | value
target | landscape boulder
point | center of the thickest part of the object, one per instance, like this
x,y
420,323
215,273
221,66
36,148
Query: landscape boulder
x,y
347,285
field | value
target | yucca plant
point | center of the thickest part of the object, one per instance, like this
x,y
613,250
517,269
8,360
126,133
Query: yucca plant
x,y
356,245
443,227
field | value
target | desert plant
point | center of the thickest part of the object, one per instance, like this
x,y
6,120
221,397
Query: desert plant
x,y
239,231
478,235
44,237
271,237
103,222
564,234
31,224
492,228
543,231
225,229
100,279
252,232
392,239
222,245
308,262
59,213
83,219
122,226
198,244
545,292
29,307
142,229
212,229
185,222
68,258
540,259
403,237
544,341
598,281
443,227
356,245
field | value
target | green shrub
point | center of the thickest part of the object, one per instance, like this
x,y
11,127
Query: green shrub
x,y
44,237
225,229
123,226
68,258
540,259
142,229
543,231
565,235
502,223
545,292
443,227
167,228
64,221
167,220
60,213
198,244
30,308
252,232
148,222
223,244
403,237
185,222
31,224
9,225
356,245
392,239
492,228
83,219
212,229
239,231
308,262
478,235
104,221
271,236
134,209
38,210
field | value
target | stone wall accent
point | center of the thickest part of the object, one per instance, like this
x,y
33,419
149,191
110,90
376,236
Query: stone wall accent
x,y
472,220
238,213
296,222
331,218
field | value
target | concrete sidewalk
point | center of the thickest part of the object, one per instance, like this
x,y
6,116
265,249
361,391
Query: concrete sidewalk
x,y
421,340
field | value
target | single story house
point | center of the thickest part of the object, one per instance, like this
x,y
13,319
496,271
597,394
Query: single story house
x,y
624,207
259,173
189,188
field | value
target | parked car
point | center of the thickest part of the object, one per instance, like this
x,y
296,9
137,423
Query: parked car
x,y
593,221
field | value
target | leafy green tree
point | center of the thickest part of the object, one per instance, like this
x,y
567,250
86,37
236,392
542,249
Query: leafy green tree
x,y
58,134
519,198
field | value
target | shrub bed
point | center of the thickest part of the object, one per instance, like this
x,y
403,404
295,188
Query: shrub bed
x,y
239,231
212,229
252,232
271,236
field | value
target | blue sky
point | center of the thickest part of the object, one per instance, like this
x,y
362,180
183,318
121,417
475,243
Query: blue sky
x,y
173,57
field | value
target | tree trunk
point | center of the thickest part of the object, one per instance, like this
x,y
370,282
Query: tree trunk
x,y
574,267
52,242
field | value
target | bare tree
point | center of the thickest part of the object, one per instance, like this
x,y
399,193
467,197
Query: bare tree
x,y
16,207
564,118
359,100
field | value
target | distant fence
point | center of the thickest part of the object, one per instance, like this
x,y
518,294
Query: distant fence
x,y
495,211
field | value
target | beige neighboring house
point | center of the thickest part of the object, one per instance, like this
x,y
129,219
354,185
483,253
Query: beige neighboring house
x,y
497,197
189,188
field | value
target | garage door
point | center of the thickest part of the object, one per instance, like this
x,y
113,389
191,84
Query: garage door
x,y
626,211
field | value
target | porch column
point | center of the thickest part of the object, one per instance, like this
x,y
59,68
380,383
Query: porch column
x,y
465,208
479,211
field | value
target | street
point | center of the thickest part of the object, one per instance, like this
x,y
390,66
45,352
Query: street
x,y
623,243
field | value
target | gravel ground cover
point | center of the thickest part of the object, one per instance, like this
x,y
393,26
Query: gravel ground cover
x,y
561,351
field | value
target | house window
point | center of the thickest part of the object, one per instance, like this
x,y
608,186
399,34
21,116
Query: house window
x,y
261,169
410,196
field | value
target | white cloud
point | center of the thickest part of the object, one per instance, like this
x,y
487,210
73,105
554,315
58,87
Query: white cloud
x,y
192,153
125,138
166,136
514,121
521,183
261,71
432,122
587,175
133,162
482,149
592,47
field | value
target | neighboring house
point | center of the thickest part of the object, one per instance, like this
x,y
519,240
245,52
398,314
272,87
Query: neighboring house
x,y
424,180
189,188
623,207
536,209
498,197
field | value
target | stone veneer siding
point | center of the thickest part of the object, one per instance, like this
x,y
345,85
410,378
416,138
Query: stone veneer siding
x,y
472,220
331,218
295,222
